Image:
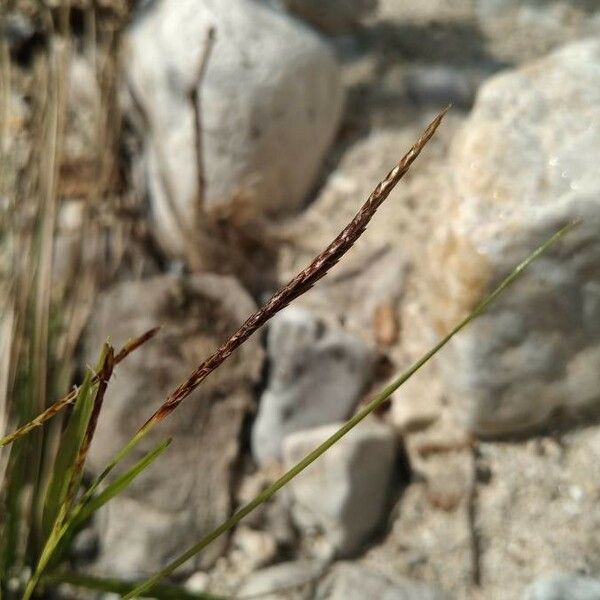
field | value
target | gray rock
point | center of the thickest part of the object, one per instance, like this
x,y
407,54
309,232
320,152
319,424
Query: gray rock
x,y
536,512
564,586
187,491
271,100
443,84
524,164
519,30
332,17
349,581
316,376
286,581
345,493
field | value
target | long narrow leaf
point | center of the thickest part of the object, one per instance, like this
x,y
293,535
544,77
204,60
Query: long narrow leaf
x,y
104,376
84,509
375,403
69,462
69,399
117,586
69,447
83,512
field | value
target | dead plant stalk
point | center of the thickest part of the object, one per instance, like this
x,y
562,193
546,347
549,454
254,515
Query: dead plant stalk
x,y
300,284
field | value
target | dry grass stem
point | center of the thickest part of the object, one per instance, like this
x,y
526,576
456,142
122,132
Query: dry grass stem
x,y
103,377
304,280
65,401
195,102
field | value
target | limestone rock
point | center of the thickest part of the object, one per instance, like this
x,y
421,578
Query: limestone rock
x,y
349,581
519,30
286,581
270,102
253,549
535,513
345,493
334,18
524,166
564,586
316,376
188,489
538,513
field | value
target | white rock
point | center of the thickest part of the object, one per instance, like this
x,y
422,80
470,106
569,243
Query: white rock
x,y
349,581
284,581
525,164
253,549
343,494
527,522
564,586
271,100
519,30
187,490
198,582
316,376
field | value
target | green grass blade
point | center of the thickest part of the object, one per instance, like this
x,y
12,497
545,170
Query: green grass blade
x,y
68,467
69,447
117,586
375,403
59,405
84,511
61,527
89,494
10,518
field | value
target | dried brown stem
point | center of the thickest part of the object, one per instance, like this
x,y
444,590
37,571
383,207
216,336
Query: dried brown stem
x,y
194,96
303,281
65,401
103,377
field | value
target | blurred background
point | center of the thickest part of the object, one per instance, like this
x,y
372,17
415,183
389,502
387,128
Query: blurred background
x,y
174,162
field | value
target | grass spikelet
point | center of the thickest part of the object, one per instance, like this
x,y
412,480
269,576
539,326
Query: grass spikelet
x,y
374,404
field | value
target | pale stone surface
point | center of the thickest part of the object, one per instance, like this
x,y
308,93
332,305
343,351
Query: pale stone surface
x,y
187,491
345,493
564,586
349,581
271,100
317,373
534,513
294,580
251,548
519,30
538,513
363,293
332,17
524,165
